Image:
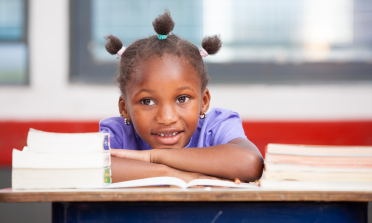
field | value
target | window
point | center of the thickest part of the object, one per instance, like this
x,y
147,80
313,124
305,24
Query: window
x,y
129,20
13,42
264,41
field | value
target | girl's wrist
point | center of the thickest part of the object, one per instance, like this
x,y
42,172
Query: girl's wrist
x,y
168,171
173,172
155,155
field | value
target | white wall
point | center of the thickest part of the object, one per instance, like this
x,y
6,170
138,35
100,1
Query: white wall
x,y
50,96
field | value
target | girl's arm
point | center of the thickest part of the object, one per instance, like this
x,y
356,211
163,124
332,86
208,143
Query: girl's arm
x,y
129,169
239,158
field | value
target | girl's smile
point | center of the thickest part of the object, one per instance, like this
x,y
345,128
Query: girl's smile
x,y
168,136
164,102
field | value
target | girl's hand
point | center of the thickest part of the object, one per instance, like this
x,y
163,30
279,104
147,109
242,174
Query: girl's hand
x,y
144,155
189,176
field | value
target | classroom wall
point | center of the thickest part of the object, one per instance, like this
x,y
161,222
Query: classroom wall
x,y
270,113
333,114
14,133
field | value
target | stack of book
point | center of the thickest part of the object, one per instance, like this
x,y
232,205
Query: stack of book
x,y
62,160
299,167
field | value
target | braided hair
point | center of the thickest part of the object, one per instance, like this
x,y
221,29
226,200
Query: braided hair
x,y
141,50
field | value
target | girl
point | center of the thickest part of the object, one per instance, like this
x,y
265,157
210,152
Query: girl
x,y
164,129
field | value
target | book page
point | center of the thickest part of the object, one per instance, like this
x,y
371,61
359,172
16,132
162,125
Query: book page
x,y
51,142
221,183
311,150
28,159
153,181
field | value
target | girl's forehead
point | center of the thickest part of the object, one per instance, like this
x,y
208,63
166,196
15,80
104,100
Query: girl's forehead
x,y
167,70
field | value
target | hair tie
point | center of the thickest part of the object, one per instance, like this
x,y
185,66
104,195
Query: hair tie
x,y
203,52
121,51
161,37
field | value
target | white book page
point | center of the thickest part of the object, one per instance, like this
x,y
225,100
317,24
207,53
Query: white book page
x,y
172,181
221,183
310,150
28,159
50,142
153,181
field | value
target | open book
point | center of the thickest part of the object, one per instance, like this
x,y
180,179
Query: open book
x,y
173,181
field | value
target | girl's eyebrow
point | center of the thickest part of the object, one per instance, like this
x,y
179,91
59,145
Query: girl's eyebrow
x,y
186,87
143,90
179,89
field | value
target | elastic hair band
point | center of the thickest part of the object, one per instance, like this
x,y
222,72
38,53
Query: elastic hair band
x,y
121,51
203,52
161,37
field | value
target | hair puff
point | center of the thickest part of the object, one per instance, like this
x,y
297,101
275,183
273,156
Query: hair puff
x,y
140,51
163,24
113,44
211,44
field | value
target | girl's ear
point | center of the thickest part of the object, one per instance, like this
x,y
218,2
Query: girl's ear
x,y
206,99
123,107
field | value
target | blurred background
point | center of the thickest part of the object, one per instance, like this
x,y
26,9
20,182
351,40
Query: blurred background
x,y
297,71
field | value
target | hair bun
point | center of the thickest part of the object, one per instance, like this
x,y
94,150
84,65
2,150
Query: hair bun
x,y
211,44
163,24
113,44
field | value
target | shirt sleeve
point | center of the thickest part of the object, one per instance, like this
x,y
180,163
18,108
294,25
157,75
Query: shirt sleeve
x,y
223,126
113,127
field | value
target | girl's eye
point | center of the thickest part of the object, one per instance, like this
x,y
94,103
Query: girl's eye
x,y
147,102
183,99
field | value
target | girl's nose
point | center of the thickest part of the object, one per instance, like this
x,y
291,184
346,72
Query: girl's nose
x,y
167,115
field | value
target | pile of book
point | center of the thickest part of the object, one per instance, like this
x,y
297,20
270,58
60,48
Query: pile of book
x,y
62,160
299,167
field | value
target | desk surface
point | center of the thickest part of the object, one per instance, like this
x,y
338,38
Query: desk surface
x,y
170,194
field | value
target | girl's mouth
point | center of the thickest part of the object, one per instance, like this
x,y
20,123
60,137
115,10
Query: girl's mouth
x,y
168,138
167,134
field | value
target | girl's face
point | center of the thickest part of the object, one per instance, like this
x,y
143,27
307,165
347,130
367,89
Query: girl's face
x,y
164,102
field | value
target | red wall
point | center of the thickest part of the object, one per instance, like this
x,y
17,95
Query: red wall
x,y
311,133
14,134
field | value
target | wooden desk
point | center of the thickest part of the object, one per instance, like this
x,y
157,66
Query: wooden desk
x,y
198,205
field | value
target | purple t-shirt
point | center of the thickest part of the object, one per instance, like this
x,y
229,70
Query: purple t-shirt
x,y
219,127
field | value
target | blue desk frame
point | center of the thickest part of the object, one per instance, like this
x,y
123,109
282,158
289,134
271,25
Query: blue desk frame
x,y
209,212
198,205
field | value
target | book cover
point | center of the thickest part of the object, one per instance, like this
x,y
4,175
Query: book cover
x,y
29,159
319,160
318,176
28,178
50,142
312,150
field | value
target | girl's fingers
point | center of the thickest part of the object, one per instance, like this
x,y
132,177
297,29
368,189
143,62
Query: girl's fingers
x,y
118,153
131,154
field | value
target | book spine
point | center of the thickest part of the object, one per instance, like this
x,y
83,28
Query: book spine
x,y
106,142
107,177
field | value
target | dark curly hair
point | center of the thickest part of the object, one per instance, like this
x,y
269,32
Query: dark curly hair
x,y
143,49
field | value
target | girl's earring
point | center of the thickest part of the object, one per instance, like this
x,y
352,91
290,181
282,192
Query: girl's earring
x,y
126,121
203,116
